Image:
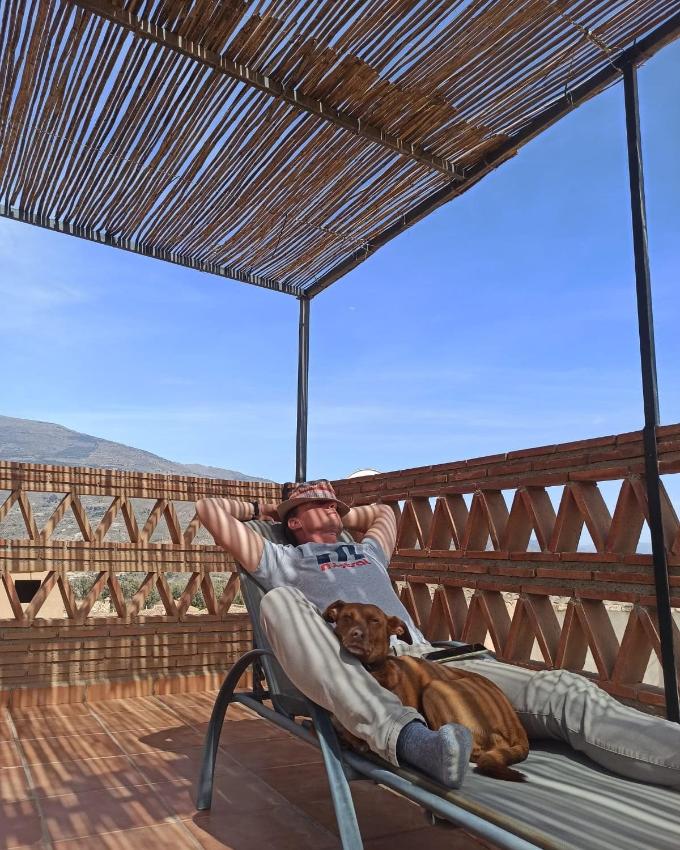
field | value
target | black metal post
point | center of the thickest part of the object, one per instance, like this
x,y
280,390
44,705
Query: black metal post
x,y
302,398
649,390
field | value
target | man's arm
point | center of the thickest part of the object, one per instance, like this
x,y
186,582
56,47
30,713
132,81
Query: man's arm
x,y
224,519
375,521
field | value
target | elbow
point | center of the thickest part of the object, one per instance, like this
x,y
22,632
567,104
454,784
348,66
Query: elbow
x,y
203,510
385,511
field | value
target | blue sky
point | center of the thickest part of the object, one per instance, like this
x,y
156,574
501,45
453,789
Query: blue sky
x,y
504,320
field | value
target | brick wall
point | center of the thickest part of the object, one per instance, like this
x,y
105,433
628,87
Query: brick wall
x,y
56,661
489,549
48,656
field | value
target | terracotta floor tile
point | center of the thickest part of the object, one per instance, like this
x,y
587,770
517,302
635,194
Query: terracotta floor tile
x,y
141,721
196,709
5,732
177,797
116,706
260,755
244,791
428,838
151,716
95,812
284,828
19,824
166,836
168,767
69,748
50,712
9,755
247,730
233,787
55,727
191,706
202,701
302,782
234,783
235,713
176,739
379,812
13,785
76,777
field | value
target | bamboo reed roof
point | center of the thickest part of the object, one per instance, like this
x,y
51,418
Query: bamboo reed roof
x,y
281,142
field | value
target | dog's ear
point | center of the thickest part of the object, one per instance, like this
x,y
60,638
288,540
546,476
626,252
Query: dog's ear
x,y
398,627
330,615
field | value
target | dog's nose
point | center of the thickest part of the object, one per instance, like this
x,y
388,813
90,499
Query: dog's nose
x,y
356,633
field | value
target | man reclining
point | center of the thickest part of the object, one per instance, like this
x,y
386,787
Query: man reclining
x,y
315,570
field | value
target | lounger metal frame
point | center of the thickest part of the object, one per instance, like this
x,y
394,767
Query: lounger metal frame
x,y
342,766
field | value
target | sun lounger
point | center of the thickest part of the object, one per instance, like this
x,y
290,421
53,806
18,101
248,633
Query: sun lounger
x,y
568,802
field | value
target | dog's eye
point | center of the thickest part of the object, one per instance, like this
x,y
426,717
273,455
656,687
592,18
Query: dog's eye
x,y
374,622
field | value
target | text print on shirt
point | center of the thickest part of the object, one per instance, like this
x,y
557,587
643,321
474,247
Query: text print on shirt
x,y
343,552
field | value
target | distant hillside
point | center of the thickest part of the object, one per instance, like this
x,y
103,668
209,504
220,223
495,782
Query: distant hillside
x,y
44,442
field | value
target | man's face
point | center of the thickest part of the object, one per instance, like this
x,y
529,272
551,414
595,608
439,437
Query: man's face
x,y
317,521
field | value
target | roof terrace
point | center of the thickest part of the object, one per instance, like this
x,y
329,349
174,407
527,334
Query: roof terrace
x,y
110,659
280,144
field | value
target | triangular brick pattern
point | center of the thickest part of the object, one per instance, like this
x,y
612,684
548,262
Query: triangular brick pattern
x,y
487,564
532,511
448,524
534,621
444,612
100,539
414,524
489,525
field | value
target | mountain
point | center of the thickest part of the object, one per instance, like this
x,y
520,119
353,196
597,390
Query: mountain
x,y
30,441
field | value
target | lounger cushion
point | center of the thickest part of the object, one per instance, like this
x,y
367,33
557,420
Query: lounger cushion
x,y
576,805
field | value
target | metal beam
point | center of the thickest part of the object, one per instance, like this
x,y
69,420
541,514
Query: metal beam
x,y
649,391
248,76
131,245
302,396
611,73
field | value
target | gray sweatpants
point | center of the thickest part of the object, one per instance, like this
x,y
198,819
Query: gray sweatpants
x,y
553,704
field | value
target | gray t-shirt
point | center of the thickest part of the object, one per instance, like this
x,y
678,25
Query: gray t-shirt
x,y
326,572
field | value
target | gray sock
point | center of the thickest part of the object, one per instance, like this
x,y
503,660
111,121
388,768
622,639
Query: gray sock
x,y
444,755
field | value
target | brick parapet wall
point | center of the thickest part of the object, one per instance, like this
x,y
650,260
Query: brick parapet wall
x,y
488,547
609,572
463,566
86,480
597,459
56,661
83,656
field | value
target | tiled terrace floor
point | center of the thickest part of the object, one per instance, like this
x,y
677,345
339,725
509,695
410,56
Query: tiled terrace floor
x,y
119,775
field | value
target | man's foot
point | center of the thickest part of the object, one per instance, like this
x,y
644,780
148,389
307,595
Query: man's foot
x,y
444,755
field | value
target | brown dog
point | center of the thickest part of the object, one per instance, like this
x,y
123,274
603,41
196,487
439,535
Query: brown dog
x,y
441,694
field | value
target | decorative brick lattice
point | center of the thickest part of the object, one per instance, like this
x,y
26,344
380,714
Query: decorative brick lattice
x,y
486,548
95,545
35,548
527,550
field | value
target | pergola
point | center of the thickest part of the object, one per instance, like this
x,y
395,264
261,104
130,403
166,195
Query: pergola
x,y
282,143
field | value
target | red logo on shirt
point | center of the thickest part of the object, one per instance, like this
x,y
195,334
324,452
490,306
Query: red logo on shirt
x,y
344,552
331,565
